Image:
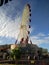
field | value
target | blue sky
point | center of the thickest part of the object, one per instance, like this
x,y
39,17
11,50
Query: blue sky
x,y
10,18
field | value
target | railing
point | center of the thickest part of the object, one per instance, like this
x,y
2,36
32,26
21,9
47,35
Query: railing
x,y
25,62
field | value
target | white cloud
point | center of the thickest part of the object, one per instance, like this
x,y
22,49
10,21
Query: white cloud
x,y
10,19
40,34
39,39
48,34
9,28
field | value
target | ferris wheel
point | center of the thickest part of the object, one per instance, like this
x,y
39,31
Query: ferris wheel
x,y
25,24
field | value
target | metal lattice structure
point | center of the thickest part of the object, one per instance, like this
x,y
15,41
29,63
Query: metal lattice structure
x,y
25,25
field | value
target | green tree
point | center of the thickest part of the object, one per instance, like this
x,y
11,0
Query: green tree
x,y
16,53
